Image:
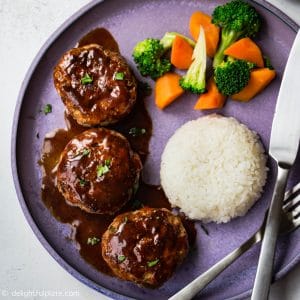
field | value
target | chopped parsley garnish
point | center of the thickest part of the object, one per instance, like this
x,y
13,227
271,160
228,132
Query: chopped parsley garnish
x,y
47,109
82,153
86,79
85,152
82,182
93,241
103,169
267,63
121,258
135,131
152,263
119,76
112,229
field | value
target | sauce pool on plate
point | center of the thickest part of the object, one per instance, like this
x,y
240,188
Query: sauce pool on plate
x,y
87,229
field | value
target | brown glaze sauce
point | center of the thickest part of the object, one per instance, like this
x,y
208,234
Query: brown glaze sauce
x,y
99,36
85,225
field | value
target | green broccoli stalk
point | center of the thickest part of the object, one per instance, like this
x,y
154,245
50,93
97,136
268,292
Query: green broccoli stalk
x,y
168,39
237,19
194,79
232,76
149,54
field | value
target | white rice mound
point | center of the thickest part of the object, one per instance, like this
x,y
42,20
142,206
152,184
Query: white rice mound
x,y
213,169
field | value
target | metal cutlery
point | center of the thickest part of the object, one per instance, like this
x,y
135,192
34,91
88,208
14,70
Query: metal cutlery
x,y
284,145
290,221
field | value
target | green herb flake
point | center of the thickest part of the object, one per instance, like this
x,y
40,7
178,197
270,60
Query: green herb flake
x,y
47,109
152,263
135,131
267,63
86,79
119,76
112,229
103,169
82,182
82,153
125,220
93,241
85,152
121,258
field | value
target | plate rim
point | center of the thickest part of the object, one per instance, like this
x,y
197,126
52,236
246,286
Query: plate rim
x,y
14,164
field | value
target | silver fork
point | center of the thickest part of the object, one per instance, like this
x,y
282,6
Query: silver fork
x,y
290,221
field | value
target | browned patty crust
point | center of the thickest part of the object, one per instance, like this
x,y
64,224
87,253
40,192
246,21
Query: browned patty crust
x,y
145,246
98,170
95,84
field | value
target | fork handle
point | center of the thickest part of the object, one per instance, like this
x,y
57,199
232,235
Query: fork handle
x,y
266,259
191,290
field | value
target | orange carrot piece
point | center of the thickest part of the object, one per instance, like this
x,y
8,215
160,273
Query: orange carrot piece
x,y
246,49
259,79
167,89
212,98
181,53
211,31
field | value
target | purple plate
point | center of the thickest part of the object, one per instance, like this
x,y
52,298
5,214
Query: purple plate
x,y
131,21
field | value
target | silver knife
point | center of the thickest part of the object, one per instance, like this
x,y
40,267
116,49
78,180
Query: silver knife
x,y
284,145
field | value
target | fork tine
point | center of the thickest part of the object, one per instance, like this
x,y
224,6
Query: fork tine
x,y
295,202
295,212
291,197
296,223
293,190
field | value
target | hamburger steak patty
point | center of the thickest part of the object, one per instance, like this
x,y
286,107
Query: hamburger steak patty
x,y
98,170
145,246
95,84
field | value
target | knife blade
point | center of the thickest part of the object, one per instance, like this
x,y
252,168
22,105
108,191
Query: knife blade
x,y
284,143
285,132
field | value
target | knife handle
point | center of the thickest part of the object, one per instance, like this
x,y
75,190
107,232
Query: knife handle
x,y
266,259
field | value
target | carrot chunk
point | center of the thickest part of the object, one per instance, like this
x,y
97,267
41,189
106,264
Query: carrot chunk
x,y
212,98
259,79
181,53
246,49
167,89
211,31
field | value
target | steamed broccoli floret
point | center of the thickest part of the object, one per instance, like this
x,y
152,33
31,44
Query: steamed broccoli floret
x,y
194,79
148,55
237,19
232,76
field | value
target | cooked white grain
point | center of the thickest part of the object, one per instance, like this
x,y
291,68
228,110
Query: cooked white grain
x,y
213,168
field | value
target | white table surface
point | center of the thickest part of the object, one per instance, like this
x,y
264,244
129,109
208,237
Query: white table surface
x,y
25,266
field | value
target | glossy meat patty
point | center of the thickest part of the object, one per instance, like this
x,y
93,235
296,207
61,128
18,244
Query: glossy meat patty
x,y
95,84
145,246
98,171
